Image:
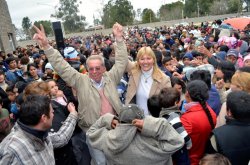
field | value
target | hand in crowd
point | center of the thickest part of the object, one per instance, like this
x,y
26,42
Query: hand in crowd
x,y
178,75
40,37
204,50
220,84
12,116
138,123
71,108
118,32
114,123
196,62
175,62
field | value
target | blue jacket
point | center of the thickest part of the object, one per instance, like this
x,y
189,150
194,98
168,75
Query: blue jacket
x,y
214,100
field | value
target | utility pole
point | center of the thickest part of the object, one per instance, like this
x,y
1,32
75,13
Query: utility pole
x,y
150,17
182,11
198,9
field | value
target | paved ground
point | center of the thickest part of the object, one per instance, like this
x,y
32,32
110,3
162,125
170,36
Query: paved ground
x,y
155,24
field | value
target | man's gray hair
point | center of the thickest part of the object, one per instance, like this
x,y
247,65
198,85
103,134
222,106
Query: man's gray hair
x,y
95,57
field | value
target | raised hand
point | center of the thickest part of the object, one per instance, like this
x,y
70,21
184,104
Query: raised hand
x,y
71,107
204,50
40,37
219,84
118,31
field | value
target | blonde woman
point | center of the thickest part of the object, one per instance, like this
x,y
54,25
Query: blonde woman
x,y
145,79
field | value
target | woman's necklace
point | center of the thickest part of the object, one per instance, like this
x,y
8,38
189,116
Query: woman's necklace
x,y
147,75
146,78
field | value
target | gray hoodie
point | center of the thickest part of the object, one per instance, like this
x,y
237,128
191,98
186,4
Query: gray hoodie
x,y
125,145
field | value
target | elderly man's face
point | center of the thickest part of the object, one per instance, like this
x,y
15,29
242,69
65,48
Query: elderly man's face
x,y
96,70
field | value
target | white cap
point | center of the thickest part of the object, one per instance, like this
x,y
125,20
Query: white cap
x,y
49,66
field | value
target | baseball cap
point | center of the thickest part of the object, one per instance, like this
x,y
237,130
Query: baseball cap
x,y
130,112
233,52
70,52
36,55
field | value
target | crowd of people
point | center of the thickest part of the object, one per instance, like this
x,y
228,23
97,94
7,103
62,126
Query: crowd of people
x,y
169,95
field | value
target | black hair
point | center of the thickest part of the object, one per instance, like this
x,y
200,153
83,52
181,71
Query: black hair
x,y
9,59
176,54
82,59
1,100
33,108
203,75
153,106
198,91
208,45
168,53
166,59
175,80
10,88
21,85
219,22
224,48
133,53
168,97
196,53
228,69
236,35
31,64
167,33
158,56
238,104
19,99
106,52
244,69
2,72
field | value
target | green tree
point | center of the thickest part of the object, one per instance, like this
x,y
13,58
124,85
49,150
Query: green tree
x,y
47,26
219,7
171,11
148,16
117,11
26,25
234,6
69,13
194,8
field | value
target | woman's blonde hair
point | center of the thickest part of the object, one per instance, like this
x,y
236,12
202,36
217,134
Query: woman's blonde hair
x,y
148,51
241,80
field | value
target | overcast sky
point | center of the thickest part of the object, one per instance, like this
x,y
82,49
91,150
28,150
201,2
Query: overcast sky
x,y
42,9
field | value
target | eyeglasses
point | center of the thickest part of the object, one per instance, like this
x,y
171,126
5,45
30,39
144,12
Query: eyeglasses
x,y
98,68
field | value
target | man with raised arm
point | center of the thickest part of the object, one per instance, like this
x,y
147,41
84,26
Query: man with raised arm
x,y
96,91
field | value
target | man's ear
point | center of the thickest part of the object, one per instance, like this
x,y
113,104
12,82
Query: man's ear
x,y
229,113
177,102
44,118
187,96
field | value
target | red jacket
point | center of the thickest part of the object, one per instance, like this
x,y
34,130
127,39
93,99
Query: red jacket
x,y
197,125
